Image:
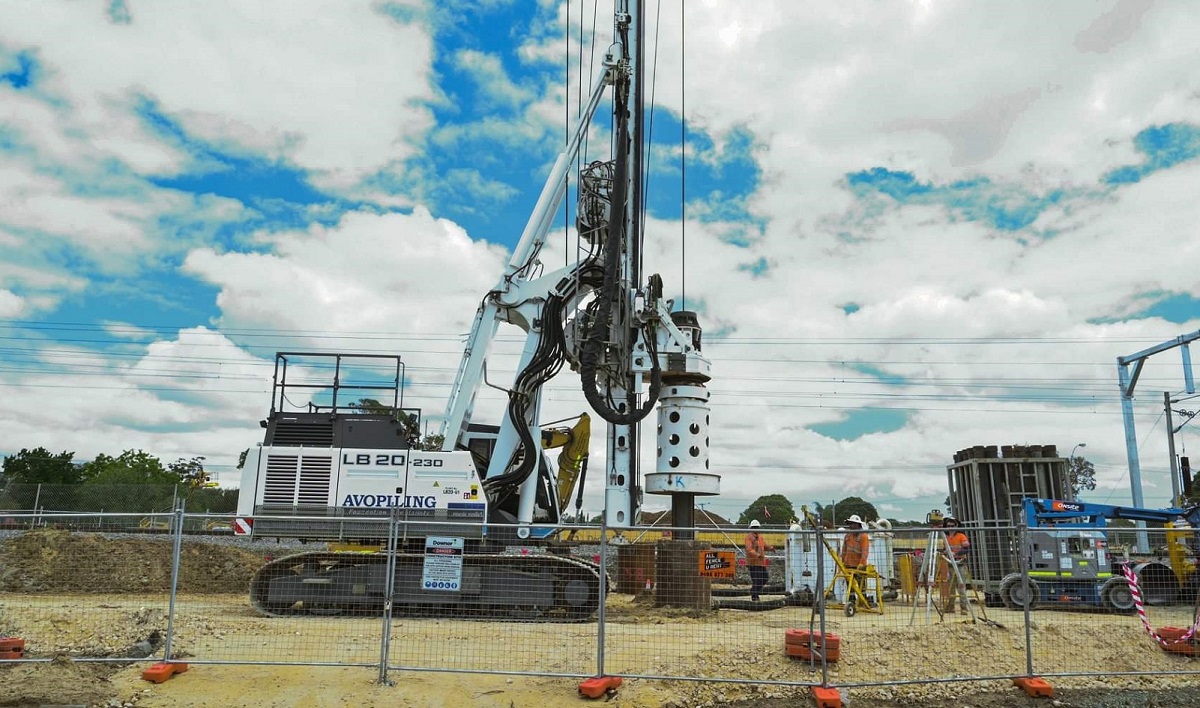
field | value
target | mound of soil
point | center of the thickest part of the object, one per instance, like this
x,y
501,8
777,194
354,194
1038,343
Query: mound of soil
x,y
55,561
60,682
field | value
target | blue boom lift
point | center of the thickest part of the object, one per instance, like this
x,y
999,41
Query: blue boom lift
x,y
1069,562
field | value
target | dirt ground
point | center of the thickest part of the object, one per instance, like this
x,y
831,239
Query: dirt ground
x,y
76,597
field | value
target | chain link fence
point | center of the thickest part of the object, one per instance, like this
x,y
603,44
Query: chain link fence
x,y
100,505
665,604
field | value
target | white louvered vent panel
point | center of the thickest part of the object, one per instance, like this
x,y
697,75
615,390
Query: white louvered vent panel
x,y
314,480
280,485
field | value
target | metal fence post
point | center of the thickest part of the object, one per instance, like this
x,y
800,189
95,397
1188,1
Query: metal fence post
x,y
177,551
603,594
819,603
385,642
37,497
1023,555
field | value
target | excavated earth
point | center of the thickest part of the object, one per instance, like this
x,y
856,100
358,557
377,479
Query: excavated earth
x,y
102,596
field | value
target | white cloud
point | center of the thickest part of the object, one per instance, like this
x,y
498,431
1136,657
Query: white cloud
x,y
11,304
124,330
1114,27
992,336
368,273
113,227
195,395
490,77
333,87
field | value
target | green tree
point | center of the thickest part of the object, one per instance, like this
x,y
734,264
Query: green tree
x,y
1082,475
190,472
769,510
212,501
131,467
845,508
40,466
39,478
409,421
372,406
134,481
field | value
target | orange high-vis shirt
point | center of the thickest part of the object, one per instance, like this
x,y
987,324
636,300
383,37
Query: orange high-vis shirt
x,y
856,549
756,550
958,543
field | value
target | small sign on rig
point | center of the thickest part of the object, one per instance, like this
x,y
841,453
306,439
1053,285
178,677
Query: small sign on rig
x,y
717,564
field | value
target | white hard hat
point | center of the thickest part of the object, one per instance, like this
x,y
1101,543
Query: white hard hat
x,y
854,519
754,524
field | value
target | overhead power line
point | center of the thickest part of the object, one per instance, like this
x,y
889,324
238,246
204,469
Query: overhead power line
x,y
898,340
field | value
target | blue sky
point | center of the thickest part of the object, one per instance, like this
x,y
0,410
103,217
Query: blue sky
x,y
897,248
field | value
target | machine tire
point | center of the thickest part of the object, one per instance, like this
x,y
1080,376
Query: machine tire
x,y
850,608
1017,592
1158,583
1116,596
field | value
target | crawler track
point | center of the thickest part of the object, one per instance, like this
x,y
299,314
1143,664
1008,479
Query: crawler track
x,y
529,588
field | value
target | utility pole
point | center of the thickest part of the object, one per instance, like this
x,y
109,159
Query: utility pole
x,y
1128,382
1175,500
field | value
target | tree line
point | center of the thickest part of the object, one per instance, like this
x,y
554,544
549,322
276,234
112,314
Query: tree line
x,y
133,481
777,510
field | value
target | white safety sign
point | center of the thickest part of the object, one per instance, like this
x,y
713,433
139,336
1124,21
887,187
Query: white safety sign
x,y
443,564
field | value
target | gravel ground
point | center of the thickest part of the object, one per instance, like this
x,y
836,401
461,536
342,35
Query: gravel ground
x,y
1116,697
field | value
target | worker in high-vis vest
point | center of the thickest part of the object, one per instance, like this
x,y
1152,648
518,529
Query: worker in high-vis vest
x,y
854,551
956,547
756,559
856,548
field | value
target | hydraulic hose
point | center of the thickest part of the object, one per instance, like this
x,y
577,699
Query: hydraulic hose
x,y
599,327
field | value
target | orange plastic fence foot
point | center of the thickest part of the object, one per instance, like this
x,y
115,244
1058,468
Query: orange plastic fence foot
x,y
826,697
1034,686
598,686
1169,640
803,644
162,671
11,648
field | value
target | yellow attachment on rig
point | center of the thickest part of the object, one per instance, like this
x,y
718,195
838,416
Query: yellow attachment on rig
x,y
574,442
1182,562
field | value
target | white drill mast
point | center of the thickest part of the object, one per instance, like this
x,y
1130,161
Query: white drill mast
x,y
599,317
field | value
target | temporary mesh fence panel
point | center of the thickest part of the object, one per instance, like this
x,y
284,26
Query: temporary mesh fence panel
x,y
682,608
952,625
886,607
495,602
273,600
83,595
1132,614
